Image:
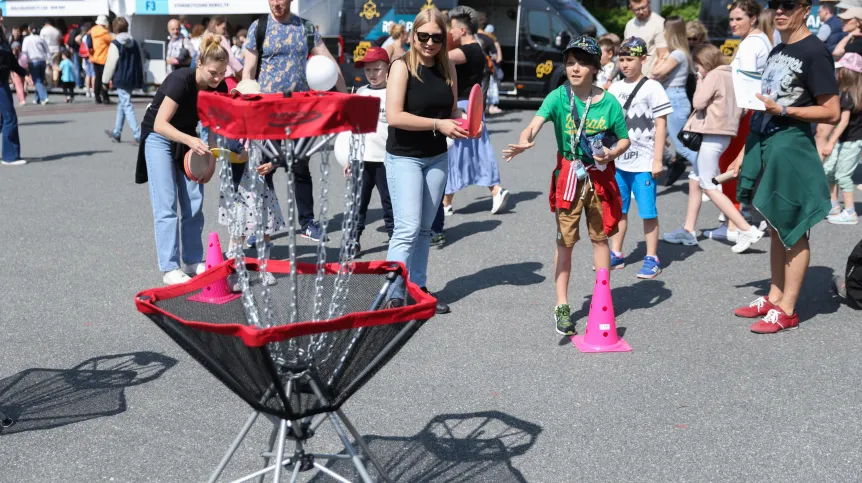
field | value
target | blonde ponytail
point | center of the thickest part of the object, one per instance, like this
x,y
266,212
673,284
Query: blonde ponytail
x,y
212,51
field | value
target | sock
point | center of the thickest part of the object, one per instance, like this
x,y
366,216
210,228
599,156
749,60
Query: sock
x,y
835,203
851,211
617,254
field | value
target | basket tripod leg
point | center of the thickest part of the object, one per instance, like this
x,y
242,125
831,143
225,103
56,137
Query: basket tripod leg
x,y
270,447
234,446
354,456
363,445
279,455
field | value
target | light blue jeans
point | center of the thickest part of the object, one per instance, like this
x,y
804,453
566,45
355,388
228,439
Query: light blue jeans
x,y
169,184
677,119
126,112
416,187
37,73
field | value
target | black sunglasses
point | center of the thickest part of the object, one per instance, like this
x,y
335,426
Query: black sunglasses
x,y
424,36
786,5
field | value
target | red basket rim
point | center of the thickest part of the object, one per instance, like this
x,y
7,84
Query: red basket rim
x,y
302,114
423,309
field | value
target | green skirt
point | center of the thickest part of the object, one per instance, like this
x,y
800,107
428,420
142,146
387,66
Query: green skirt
x,y
783,178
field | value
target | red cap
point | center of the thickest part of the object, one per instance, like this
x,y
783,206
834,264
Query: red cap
x,y
372,55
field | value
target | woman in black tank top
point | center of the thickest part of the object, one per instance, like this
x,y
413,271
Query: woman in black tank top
x,y
472,162
420,102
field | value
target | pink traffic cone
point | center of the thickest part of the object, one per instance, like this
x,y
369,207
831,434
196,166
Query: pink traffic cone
x,y
217,292
601,332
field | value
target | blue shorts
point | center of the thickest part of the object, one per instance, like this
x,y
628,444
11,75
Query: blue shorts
x,y
644,189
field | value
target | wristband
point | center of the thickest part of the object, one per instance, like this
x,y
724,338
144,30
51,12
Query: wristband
x,y
783,111
435,127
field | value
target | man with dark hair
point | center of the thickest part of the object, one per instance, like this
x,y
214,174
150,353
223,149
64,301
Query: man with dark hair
x,y
830,31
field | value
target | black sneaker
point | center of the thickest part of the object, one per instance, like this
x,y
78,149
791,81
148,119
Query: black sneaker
x,y
441,307
112,136
677,168
438,239
357,249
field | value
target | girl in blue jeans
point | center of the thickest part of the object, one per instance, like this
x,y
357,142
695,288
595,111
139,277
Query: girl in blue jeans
x,y
420,102
167,134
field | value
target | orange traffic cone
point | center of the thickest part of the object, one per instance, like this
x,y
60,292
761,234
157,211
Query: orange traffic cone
x,y
217,292
601,332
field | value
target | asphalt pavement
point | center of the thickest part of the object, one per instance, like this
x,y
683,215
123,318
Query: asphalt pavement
x,y
488,393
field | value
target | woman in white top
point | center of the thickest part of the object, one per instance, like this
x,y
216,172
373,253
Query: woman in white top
x,y
746,17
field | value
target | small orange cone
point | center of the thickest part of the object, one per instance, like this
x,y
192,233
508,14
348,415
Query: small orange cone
x,y
601,332
217,292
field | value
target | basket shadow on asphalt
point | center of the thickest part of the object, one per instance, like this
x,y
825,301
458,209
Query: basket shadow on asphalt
x,y
43,398
482,204
44,122
453,447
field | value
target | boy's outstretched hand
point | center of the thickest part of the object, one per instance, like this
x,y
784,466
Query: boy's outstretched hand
x,y
516,149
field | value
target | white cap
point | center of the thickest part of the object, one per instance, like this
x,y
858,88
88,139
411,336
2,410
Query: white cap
x,y
102,20
851,13
849,3
246,87
489,29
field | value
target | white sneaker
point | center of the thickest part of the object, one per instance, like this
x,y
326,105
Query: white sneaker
x,y
175,276
196,269
681,237
448,210
44,102
501,201
17,162
745,239
722,218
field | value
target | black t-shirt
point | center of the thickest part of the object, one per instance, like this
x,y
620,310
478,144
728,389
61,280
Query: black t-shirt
x,y
796,74
854,129
854,46
430,98
182,88
471,72
487,44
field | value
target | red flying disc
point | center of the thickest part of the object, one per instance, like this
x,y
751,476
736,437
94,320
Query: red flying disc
x,y
199,168
475,108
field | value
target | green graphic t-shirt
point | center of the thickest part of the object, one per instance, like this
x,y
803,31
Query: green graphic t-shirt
x,y
605,116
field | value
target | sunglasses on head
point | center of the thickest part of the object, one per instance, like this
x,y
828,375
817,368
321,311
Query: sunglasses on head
x,y
785,5
435,38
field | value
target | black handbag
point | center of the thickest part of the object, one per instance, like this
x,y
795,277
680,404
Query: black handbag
x,y
691,140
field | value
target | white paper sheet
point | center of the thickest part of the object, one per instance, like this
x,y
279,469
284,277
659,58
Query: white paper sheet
x,y
745,85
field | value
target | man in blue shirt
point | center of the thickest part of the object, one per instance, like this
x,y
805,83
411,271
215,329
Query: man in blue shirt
x,y
278,65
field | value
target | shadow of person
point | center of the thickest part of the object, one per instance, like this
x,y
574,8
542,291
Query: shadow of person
x,y
816,297
463,230
518,274
453,447
483,203
644,294
667,253
49,398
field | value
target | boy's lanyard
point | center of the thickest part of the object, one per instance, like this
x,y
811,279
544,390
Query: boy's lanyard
x,y
580,125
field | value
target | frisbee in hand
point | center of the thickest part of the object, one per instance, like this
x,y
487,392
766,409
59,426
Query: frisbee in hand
x,y
200,169
475,108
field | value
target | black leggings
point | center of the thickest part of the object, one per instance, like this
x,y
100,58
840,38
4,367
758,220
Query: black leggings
x,y
100,91
374,174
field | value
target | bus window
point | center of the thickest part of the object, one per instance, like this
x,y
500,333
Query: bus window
x,y
540,27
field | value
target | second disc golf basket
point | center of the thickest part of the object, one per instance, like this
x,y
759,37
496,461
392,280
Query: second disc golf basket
x,y
293,340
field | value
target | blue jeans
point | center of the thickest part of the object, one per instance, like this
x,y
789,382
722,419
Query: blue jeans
x,y
416,187
9,120
677,119
37,73
169,184
126,112
76,69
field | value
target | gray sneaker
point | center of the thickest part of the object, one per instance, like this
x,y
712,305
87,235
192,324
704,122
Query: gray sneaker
x,y
562,317
843,218
681,237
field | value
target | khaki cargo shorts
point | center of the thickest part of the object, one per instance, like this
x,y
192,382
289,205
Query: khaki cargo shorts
x,y
568,221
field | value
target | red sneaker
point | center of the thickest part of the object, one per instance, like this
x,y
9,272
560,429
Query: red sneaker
x,y
758,308
775,321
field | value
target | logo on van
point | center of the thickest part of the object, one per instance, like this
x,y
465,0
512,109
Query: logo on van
x,y
360,50
544,69
369,10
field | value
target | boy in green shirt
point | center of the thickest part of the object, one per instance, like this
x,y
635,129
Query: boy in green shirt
x,y
588,141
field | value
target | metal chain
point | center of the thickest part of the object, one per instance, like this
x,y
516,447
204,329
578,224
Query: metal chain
x,y
258,189
291,352
317,341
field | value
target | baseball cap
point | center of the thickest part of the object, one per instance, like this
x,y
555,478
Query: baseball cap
x,y
372,55
246,87
102,20
850,4
851,61
851,13
585,44
633,47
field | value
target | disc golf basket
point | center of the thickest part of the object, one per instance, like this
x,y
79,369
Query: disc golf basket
x,y
295,350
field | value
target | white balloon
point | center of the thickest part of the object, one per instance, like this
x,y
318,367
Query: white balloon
x,y
341,149
321,72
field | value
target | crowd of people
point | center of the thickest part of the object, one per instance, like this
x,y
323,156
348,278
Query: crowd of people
x,y
632,110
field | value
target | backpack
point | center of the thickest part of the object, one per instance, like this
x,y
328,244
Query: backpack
x,y
260,36
88,43
853,277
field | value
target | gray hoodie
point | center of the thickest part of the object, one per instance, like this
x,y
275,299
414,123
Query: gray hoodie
x,y
114,56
